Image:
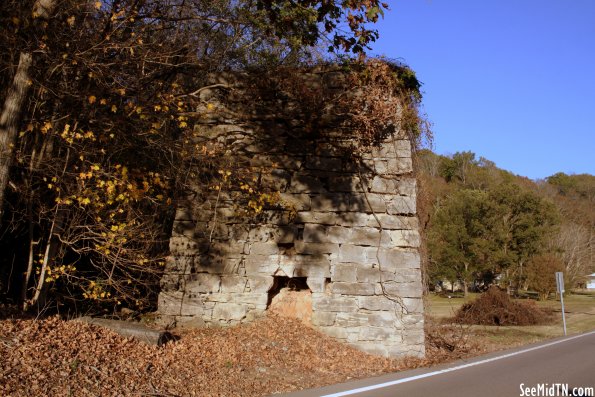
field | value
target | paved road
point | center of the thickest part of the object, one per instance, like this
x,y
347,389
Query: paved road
x,y
567,361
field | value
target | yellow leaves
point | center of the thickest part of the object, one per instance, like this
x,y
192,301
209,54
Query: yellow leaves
x,y
103,101
92,99
96,291
71,20
114,108
97,5
157,108
95,167
183,124
65,201
210,106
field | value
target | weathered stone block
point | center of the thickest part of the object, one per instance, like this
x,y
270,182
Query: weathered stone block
x,y
345,184
232,283
374,333
323,319
305,265
407,186
398,205
344,272
375,303
260,283
323,163
334,303
330,202
316,283
383,184
414,305
405,238
367,203
371,237
229,311
358,289
374,348
334,332
352,254
299,202
349,320
354,219
302,247
263,249
384,319
367,275
170,302
403,290
339,234
306,184
322,218
256,299
393,222
203,283
394,166
315,234
392,259
266,264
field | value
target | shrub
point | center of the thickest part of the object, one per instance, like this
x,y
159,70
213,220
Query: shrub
x,y
494,307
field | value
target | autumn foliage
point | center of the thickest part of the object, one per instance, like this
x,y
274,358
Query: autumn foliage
x,y
103,144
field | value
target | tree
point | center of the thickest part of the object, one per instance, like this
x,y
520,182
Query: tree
x,y
97,114
524,224
461,240
541,274
16,93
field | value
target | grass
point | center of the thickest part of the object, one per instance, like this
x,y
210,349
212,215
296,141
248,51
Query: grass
x,y
580,317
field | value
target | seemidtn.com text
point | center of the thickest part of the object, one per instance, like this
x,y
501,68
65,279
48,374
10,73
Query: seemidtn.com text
x,y
555,390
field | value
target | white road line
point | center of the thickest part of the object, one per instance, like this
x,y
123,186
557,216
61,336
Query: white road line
x,y
443,371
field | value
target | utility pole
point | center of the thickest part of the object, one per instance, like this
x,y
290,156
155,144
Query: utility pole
x,y
560,285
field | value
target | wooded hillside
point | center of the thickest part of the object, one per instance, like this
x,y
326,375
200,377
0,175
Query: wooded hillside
x,y
486,225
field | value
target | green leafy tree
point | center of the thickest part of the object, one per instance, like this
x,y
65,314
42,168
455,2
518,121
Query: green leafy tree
x,y
524,222
461,241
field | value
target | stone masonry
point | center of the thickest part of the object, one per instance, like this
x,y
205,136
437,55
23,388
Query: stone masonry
x,y
348,232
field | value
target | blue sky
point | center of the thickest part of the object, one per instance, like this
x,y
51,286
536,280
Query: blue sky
x,y
511,80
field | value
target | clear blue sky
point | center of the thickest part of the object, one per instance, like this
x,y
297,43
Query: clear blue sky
x,y
511,80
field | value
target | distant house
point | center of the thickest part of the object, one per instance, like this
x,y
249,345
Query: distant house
x,y
590,281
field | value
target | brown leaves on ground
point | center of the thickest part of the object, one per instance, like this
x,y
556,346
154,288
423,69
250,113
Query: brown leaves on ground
x,y
494,307
56,357
52,357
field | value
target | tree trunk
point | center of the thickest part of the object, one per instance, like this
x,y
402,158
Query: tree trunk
x,y
9,119
465,288
14,101
131,330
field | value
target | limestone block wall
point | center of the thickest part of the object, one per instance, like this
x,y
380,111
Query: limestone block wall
x,y
346,232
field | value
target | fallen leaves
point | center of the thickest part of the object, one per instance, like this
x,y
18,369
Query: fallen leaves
x,y
272,355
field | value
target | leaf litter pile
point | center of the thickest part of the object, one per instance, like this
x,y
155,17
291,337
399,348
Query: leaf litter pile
x,y
53,357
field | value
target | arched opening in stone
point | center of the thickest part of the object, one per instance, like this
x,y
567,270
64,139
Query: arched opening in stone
x,y
291,297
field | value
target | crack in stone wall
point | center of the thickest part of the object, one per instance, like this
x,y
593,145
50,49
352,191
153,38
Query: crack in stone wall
x,y
365,278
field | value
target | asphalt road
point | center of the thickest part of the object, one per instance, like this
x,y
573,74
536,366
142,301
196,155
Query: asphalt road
x,y
566,361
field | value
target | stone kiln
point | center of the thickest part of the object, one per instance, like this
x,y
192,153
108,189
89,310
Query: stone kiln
x,y
346,235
